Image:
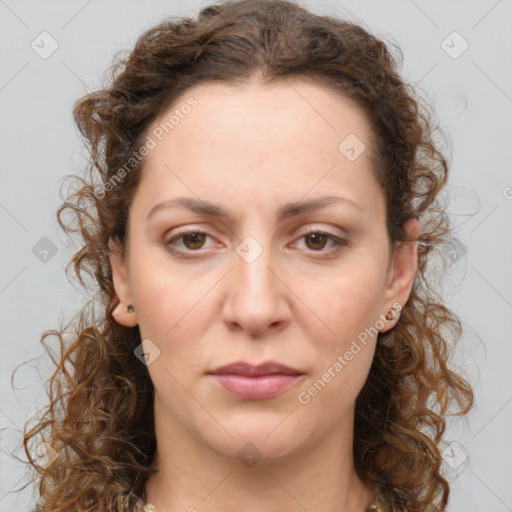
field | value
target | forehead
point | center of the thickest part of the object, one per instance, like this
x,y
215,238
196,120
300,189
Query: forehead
x,y
261,117
273,140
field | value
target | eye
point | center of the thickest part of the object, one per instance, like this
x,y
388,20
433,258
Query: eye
x,y
317,240
192,241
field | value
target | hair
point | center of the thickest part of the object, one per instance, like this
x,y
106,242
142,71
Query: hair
x,y
99,417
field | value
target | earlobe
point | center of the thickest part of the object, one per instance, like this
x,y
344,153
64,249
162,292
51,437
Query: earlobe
x,y
404,266
124,317
121,313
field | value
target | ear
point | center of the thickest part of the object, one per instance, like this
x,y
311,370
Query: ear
x,y
121,286
402,271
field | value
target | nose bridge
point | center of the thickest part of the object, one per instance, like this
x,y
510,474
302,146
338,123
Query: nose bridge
x,y
254,262
255,301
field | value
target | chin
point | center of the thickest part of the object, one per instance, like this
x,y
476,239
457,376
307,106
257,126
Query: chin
x,y
256,440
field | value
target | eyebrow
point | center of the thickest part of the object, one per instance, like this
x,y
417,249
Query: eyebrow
x,y
285,211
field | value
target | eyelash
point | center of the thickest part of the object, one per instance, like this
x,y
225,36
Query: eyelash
x,y
339,243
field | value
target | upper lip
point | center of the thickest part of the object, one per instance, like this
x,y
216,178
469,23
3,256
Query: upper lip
x,y
266,368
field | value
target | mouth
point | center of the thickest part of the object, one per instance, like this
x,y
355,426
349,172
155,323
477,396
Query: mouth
x,y
247,381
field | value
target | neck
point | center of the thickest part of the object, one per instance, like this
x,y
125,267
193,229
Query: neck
x,y
193,477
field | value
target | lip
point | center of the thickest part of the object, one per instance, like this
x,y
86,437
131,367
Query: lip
x,y
247,381
256,388
265,368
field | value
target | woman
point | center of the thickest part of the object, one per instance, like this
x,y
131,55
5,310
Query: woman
x,y
260,209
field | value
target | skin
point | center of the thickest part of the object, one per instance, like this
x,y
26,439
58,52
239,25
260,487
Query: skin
x,y
252,149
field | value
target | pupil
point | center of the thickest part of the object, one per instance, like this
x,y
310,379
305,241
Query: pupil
x,y
195,238
315,237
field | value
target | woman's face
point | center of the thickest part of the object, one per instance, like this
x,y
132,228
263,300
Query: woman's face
x,y
251,284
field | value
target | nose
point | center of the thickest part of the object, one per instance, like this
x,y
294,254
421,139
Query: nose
x,y
257,296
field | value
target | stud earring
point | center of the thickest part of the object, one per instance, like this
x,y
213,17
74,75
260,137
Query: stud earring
x,y
390,314
130,308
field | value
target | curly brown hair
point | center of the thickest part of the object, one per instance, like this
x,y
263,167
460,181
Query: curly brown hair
x,y
100,414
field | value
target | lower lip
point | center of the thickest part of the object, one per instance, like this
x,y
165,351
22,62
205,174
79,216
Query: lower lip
x,y
256,387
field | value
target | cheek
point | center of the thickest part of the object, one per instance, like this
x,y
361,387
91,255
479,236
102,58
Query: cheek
x,y
343,312
175,310
344,305
166,303
337,383
344,341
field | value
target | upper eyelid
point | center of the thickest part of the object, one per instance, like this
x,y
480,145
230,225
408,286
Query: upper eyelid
x,y
309,230
312,226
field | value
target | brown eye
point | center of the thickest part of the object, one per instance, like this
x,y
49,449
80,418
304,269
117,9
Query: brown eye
x,y
194,240
186,242
318,240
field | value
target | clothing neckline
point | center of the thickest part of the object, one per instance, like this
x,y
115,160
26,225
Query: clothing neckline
x,y
375,506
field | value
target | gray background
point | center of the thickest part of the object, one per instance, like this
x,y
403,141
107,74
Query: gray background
x,y
472,93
